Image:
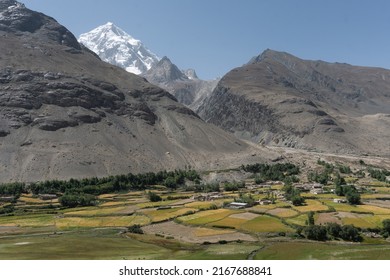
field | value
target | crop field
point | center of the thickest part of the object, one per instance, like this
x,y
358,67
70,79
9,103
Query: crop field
x,y
229,222
202,231
311,205
204,204
111,221
206,217
265,208
166,214
374,209
282,212
321,251
98,211
343,207
114,203
298,220
181,227
38,220
265,224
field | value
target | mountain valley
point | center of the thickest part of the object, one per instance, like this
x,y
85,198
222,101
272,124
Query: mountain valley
x,y
65,113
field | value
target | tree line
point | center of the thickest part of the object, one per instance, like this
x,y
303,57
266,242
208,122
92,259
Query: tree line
x,y
83,192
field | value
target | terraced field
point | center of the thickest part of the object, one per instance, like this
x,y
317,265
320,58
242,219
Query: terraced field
x,y
186,228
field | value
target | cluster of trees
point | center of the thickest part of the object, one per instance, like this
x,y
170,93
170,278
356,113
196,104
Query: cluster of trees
x,y
233,186
97,186
344,169
386,228
273,172
325,175
321,178
350,193
153,197
83,192
331,231
12,189
206,188
329,167
77,199
293,195
380,175
110,184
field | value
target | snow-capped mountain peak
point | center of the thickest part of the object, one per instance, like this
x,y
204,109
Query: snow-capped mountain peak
x,y
115,46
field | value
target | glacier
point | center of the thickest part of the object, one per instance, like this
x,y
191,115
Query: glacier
x,y
115,46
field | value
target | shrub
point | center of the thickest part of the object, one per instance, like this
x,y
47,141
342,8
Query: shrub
x,y
315,232
153,197
135,229
77,199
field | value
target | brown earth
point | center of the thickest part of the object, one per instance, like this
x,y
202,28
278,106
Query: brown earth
x,y
188,233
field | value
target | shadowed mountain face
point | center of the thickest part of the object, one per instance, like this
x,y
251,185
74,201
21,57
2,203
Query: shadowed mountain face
x,y
65,113
279,99
184,85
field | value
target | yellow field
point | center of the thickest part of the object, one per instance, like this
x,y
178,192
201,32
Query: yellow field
x,y
203,204
165,214
374,209
312,205
156,204
265,224
261,208
229,221
283,212
202,232
28,220
120,221
35,200
97,211
107,195
114,203
372,196
205,217
363,221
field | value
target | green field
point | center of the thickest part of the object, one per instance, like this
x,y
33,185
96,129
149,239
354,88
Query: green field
x,y
37,229
322,251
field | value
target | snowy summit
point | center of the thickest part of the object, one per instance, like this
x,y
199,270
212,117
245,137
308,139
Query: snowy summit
x,y
115,46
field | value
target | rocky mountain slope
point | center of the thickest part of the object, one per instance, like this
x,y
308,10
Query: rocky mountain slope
x,y
115,46
278,99
184,85
65,113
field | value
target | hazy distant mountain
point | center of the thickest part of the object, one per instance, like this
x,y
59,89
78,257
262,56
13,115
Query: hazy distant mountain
x,y
279,99
183,84
65,113
115,46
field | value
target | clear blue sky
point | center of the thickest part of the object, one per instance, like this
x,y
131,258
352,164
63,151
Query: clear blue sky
x,y
214,36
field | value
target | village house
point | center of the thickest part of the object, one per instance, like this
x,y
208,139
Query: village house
x,y
264,202
237,205
339,200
